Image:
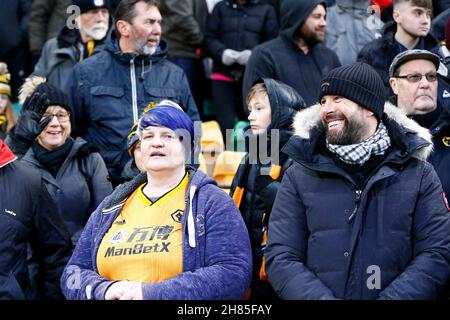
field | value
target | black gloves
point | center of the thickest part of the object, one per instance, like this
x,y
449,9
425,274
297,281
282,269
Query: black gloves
x,y
30,123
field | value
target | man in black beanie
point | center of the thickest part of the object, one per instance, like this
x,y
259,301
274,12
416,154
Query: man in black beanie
x,y
82,36
360,214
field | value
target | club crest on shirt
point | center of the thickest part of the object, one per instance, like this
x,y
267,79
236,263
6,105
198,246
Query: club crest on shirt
x,y
446,141
118,237
176,216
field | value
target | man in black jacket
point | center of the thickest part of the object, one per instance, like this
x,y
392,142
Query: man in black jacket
x,y
360,214
297,56
111,89
409,30
82,36
414,80
28,215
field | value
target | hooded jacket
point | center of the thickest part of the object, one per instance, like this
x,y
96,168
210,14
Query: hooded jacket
x,y
238,27
28,216
440,157
380,53
216,250
59,56
350,27
253,193
389,240
281,59
111,89
79,186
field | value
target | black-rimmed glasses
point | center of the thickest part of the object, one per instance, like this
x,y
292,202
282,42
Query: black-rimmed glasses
x,y
416,77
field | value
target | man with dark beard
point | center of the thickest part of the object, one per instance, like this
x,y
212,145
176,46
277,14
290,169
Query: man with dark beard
x,y
111,89
297,56
360,214
79,39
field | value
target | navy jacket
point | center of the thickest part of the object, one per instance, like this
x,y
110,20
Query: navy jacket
x,y
390,240
111,89
216,251
28,216
281,59
380,52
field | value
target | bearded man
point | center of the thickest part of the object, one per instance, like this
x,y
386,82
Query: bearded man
x,y
83,36
361,213
297,56
112,88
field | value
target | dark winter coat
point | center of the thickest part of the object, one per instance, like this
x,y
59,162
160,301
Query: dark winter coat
x,y
254,192
111,89
29,216
13,30
283,60
440,157
180,28
59,56
216,250
79,186
47,17
232,26
328,239
380,52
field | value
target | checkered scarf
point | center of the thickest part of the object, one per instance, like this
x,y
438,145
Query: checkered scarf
x,y
358,154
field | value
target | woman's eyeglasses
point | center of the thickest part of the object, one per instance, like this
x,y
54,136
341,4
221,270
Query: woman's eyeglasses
x,y
61,116
416,77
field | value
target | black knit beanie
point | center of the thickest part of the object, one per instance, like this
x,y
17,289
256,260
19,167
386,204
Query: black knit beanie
x,y
55,96
86,5
357,82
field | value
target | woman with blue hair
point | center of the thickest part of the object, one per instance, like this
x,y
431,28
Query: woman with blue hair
x,y
170,233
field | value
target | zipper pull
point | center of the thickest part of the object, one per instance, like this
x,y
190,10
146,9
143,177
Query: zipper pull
x,y
357,199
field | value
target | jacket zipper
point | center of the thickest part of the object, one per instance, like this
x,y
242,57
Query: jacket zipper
x,y
357,200
133,90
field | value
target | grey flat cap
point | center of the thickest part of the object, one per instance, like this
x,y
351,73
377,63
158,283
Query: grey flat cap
x,y
415,54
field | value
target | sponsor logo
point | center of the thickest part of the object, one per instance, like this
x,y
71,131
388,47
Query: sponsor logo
x,y
138,248
446,141
118,237
324,86
446,94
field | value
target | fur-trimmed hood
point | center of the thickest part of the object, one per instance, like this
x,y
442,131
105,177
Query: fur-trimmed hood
x,y
406,134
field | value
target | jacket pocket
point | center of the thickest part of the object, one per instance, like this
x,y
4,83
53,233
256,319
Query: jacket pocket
x,y
107,103
161,93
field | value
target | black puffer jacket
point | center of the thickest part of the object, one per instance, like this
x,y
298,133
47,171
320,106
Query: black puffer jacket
x,y
255,193
28,215
327,236
232,26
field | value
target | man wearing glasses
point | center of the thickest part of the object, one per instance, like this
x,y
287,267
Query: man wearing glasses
x,y
413,79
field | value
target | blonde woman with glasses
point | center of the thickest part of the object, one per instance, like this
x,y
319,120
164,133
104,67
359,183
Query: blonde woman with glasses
x,y
74,172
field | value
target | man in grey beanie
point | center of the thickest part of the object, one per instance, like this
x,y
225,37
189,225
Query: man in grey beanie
x,y
360,214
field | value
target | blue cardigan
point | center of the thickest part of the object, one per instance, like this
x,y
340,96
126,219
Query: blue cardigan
x,y
219,270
